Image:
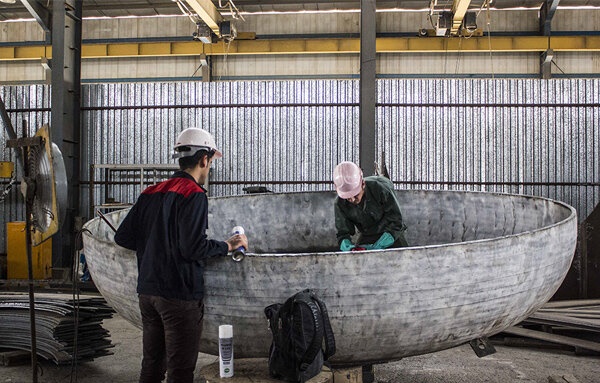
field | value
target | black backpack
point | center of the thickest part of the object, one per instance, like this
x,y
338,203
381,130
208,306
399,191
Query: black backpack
x,y
299,327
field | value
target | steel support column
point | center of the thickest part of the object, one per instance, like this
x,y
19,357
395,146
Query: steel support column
x,y
546,64
206,67
546,14
368,86
66,126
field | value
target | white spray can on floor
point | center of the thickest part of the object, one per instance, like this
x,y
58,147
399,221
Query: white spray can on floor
x,y
226,350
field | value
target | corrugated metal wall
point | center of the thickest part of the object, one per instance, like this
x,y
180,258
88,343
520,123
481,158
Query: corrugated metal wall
x,y
286,135
520,136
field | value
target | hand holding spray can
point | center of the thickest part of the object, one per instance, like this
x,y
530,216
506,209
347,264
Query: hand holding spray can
x,y
239,253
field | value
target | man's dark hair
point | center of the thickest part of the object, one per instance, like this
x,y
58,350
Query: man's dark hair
x,y
191,161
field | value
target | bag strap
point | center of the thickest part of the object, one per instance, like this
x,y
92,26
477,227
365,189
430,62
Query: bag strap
x,y
327,330
272,314
317,340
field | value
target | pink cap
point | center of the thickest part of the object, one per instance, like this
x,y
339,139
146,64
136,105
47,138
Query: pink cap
x,y
347,178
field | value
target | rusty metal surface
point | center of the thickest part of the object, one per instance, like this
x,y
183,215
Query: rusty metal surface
x,y
479,263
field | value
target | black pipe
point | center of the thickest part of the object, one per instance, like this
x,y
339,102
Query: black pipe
x,y
10,130
470,183
7,123
106,220
320,105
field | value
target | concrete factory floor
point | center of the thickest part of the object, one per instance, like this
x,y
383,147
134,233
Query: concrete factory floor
x,y
460,364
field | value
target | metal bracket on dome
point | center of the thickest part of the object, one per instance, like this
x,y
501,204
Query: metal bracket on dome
x,y
482,347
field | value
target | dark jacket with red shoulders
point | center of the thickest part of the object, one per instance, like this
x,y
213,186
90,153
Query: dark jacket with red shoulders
x,y
167,229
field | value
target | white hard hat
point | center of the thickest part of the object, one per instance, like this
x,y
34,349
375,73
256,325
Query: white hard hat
x,y
193,139
347,178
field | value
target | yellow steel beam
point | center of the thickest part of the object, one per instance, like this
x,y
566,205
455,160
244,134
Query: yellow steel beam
x,y
27,52
316,46
208,13
459,8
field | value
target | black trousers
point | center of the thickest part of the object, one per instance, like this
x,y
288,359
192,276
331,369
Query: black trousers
x,y
171,336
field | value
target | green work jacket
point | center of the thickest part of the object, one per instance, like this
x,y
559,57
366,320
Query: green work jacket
x,y
377,213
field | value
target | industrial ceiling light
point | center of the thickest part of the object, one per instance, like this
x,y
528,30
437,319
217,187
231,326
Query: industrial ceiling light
x,y
9,1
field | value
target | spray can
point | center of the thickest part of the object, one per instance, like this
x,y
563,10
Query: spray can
x,y
226,351
239,253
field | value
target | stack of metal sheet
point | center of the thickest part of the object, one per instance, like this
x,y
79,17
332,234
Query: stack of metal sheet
x,y
64,327
571,324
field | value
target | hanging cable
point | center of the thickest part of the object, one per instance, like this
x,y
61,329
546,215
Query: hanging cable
x,y
75,297
233,10
225,62
557,67
76,300
458,55
186,11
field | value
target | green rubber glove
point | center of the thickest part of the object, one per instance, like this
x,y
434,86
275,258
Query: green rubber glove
x,y
386,240
346,245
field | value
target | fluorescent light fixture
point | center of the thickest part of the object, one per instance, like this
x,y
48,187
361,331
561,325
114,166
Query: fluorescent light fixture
x,y
203,60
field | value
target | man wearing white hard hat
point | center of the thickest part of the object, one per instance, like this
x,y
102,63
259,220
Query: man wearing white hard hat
x,y
368,205
167,229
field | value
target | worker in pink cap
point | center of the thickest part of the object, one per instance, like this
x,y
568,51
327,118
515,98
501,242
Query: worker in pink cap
x,y
368,205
